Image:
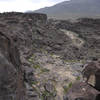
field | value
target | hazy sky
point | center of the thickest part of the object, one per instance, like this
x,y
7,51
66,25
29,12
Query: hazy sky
x,y
24,5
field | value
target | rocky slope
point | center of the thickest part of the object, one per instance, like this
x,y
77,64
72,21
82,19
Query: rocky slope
x,y
84,35
73,9
51,56
19,28
89,90
11,77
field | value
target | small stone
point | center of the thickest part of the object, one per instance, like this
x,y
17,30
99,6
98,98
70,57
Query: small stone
x,y
49,87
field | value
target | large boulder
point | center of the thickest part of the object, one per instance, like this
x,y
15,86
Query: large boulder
x,y
82,91
92,74
11,78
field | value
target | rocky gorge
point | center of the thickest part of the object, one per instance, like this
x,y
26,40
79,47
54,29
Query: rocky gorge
x,y
46,59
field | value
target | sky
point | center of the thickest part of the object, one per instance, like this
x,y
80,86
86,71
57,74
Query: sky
x,y
25,5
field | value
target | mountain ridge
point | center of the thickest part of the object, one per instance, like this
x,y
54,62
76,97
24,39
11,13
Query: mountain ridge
x,y
73,9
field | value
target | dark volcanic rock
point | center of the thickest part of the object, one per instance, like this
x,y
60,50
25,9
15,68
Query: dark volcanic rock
x,y
20,28
88,30
89,90
11,78
93,69
82,91
32,33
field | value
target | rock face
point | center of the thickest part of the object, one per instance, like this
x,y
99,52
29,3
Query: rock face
x,y
82,91
89,90
19,27
85,29
93,68
11,78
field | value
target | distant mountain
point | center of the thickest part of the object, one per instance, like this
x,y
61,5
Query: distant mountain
x,y
73,9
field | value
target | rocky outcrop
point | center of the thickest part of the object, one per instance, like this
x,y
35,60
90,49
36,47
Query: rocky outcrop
x,y
11,77
20,28
93,69
90,89
87,30
82,91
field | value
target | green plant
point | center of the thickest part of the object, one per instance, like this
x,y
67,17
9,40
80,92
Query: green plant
x,y
34,82
47,94
66,88
78,78
31,59
45,70
72,61
36,66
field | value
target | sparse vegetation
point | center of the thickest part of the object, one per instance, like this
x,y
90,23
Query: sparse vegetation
x,y
48,94
34,82
36,66
31,59
78,78
72,61
66,88
44,70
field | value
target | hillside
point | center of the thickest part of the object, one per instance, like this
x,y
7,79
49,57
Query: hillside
x,y
73,9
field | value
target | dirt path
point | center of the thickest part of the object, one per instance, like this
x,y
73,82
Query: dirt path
x,y
74,37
